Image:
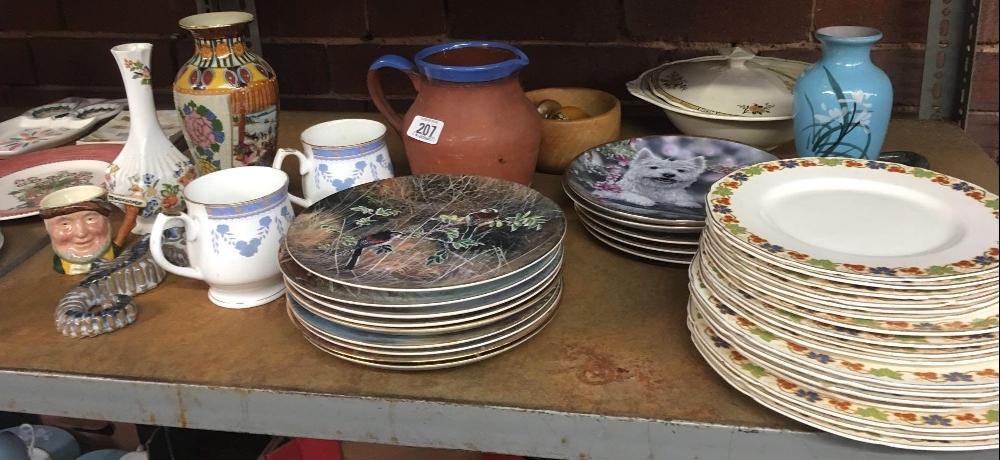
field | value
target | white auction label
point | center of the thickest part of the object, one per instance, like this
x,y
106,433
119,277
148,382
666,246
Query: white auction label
x,y
425,129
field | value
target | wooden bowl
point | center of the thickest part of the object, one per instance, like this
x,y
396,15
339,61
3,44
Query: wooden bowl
x,y
562,141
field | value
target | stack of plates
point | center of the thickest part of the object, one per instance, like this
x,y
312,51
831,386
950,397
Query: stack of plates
x,y
424,272
858,297
646,196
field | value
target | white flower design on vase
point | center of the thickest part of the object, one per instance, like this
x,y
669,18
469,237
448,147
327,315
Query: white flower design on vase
x,y
833,115
828,135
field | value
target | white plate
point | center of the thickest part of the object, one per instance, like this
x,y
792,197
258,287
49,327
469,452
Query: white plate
x,y
926,298
865,434
958,354
667,230
684,239
427,326
115,131
982,323
537,283
776,379
639,252
857,218
743,276
931,286
55,124
428,347
664,248
847,369
430,365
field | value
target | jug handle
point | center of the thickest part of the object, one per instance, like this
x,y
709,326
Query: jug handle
x,y
375,85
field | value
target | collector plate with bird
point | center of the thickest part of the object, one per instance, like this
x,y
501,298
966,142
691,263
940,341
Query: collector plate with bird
x,y
425,233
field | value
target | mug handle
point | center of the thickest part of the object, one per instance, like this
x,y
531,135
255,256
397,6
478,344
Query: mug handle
x,y
156,244
304,166
375,86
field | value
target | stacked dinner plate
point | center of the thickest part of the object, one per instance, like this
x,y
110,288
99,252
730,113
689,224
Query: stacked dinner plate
x,y
424,272
858,297
646,196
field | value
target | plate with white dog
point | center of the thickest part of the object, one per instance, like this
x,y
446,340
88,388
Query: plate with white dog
x,y
657,179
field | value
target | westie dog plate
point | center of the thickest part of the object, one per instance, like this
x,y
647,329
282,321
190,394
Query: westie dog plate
x,y
657,179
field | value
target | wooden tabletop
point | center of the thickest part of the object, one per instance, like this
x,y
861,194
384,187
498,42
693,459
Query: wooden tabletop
x,y
618,346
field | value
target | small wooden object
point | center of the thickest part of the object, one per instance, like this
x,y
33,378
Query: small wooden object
x,y
563,140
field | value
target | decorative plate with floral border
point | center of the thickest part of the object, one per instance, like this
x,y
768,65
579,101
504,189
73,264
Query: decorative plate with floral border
x,y
752,380
426,232
755,324
26,179
785,385
764,204
705,287
767,290
948,284
956,345
983,324
849,293
851,370
885,437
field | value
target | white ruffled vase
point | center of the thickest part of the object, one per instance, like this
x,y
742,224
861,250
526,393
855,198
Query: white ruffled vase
x,y
149,173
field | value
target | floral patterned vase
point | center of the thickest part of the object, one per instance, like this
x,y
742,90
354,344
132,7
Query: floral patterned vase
x,y
227,96
150,172
843,102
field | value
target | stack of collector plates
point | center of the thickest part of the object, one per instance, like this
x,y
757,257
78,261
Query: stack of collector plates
x,y
858,297
646,196
424,272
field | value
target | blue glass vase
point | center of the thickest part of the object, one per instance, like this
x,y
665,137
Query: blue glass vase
x,y
843,102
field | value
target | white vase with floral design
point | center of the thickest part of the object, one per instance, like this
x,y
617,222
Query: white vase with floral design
x,y
150,172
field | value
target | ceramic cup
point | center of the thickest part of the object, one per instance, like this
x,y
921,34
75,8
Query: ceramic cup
x,y
78,221
235,220
337,155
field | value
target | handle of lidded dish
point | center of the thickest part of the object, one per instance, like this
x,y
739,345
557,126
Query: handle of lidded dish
x,y
375,85
737,57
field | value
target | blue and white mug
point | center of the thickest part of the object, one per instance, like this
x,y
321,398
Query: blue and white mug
x,y
337,155
235,221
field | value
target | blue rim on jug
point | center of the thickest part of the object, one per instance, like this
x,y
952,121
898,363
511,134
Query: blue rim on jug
x,y
457,73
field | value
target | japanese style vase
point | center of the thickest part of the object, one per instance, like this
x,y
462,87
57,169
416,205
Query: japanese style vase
x,y
842,103
227,96
470,115
149,173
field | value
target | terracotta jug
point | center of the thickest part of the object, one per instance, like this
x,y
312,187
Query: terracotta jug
x,y
470,115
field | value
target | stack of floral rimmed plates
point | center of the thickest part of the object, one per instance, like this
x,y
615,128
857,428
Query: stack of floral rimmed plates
x,y
424,272
646,196
858,297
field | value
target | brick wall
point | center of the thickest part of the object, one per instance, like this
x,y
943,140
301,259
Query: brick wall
x,y
321,49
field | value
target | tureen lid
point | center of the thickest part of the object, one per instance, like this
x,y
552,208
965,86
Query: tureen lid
x,y
736,83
